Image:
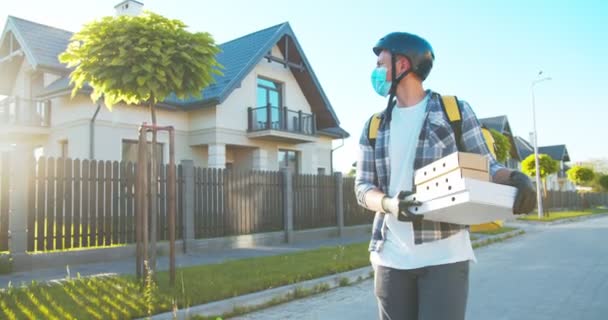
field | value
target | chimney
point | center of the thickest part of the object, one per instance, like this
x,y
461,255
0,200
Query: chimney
x,y
129,8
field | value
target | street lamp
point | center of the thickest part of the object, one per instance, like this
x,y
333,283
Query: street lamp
x,y
538,195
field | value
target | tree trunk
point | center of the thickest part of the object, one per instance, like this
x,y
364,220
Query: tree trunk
x,y
153,192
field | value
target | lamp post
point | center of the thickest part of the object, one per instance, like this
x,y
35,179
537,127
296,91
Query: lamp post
x,y
538,195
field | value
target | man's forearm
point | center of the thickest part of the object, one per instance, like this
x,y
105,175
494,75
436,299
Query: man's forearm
x,y
373,200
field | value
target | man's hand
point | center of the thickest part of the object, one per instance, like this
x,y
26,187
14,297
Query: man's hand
x,y
399,206
525,201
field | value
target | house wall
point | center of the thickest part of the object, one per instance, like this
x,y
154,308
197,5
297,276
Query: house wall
x,y
22,87
195,130
232,113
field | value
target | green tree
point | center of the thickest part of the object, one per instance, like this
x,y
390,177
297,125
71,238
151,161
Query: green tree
x,y
141,60
603,181
502,145
546,165
580,175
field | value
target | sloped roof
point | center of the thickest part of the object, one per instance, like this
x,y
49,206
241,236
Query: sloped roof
x,y
42,44
556,152
499,123
524,148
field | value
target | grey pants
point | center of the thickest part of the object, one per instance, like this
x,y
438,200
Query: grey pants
x,y
429,293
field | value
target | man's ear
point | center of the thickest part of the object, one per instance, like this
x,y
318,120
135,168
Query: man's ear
x,y
402,64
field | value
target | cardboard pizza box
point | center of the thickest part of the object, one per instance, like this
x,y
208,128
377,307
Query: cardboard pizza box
x,y
450,182
473,202
471,163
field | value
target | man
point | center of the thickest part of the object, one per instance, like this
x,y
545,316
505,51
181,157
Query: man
x,y
421,267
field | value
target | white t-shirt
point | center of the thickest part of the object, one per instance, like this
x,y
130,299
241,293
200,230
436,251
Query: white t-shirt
x,y
399,250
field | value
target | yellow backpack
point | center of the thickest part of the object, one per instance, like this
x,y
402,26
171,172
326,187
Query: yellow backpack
x,y
454,115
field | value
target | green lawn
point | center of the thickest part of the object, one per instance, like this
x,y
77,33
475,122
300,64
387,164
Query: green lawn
x,y
120,297
560,215
495,232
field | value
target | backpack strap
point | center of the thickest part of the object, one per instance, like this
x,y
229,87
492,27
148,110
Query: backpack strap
x,y
374,125
487,135
452,111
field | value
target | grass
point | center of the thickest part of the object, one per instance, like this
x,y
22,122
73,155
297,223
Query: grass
x,y
497,231
120,297
561,215
489,241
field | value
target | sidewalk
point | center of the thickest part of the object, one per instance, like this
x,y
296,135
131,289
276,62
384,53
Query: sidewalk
x,y
127,266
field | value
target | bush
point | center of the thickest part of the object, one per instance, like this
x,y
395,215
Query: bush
x,y
603,180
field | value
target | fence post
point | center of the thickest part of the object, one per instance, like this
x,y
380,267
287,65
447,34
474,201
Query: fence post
x,y
21,161
188,202
288,204
339,202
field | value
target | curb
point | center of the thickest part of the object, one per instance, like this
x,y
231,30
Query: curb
x,y
485,241
256,299
564,221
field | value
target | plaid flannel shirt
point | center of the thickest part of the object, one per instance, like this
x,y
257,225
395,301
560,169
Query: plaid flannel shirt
x,y
436,141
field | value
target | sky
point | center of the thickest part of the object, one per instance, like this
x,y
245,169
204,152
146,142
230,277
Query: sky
x,y
487,53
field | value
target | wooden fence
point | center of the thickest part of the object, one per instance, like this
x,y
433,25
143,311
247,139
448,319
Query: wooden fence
x,y
573,200
4,200
79,204
228,203
354,214
314,202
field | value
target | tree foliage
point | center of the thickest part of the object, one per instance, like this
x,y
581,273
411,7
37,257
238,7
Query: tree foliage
x,y
546,165
580,175
502,145
140,59
603,181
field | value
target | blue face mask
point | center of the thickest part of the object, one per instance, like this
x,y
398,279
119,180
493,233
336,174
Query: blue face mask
x,y
381,86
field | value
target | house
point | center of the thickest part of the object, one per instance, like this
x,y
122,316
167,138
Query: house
x,y
557,181
267,111
501,124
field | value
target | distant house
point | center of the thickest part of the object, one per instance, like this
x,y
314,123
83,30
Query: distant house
x,y
501,124
559,180
267,111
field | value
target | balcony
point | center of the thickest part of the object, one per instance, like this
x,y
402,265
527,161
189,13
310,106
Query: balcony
x,y
24,118
281,124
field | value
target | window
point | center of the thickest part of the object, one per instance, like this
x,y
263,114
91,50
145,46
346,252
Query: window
x,y
321,171
63,148
268,95
129,151
289,159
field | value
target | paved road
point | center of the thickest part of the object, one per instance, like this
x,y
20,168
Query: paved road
x,y
551,273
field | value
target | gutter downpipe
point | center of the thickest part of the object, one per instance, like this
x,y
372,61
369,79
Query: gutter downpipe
x,y
331,155
92,133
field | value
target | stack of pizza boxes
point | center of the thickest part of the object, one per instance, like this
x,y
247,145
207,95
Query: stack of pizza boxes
x,y
458,189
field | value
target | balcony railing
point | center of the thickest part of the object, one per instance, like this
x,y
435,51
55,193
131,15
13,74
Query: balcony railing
x,y
281,119
24,112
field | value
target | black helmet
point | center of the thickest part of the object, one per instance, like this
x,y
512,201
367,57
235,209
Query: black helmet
x,y
417,50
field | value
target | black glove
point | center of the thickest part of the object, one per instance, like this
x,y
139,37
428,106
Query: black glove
x,y
525,201
400,207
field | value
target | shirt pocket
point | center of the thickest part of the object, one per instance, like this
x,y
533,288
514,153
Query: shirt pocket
x,y
439,135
